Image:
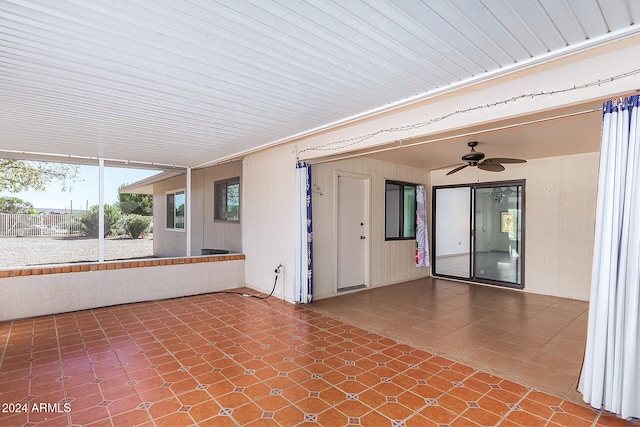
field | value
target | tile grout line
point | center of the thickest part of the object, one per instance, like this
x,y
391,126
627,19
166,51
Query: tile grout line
x,y
115,352
61,365
6,344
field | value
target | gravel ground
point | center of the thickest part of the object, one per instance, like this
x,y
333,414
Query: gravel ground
x,y
26,251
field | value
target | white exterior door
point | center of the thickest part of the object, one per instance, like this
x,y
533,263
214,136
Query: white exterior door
x,y
352,232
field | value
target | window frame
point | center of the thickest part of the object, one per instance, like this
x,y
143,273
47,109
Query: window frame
x,y
217,199
401,210
166,210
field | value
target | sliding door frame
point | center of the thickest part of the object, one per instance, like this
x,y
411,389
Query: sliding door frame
x,y
472,235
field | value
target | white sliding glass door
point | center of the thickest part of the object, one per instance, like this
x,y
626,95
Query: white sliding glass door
x,y
479,233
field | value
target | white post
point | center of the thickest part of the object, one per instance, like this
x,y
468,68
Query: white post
x,y
187,213
101,209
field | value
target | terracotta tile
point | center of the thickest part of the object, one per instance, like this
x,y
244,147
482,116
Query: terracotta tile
x,y
260,422
357,387
156,394
117,392
164,407
184,386
353,408
86,401
315,385
426,391
145,385
411,400
232,400
394,411
536,408
130,418
440,383
332,417
503,396
220,388
466,394
438,414
605,419
417,420
481,416
272,403
526,419
122,405
492,405
174,419
476,385
581,411
204,410
247,413
486,378
87,416
544,398
311,405
193,397
374,418
288,415
333,395
452,403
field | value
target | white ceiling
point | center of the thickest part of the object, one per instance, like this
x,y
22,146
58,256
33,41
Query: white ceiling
x,y
188,82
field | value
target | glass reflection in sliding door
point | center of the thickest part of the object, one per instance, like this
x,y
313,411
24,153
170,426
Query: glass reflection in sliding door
x,y
452,231
498,234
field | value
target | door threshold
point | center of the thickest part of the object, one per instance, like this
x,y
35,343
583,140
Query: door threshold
x,y
351,288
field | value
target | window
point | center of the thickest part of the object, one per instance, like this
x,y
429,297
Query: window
x,y
227,200
175,210
400,211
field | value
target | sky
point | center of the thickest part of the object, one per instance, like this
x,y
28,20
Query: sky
x,y
84,192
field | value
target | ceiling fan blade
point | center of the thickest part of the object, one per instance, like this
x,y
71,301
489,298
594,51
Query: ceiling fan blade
x,y
504,160
491,166
457,169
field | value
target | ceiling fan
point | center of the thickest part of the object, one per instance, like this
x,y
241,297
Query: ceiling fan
x,y
475,158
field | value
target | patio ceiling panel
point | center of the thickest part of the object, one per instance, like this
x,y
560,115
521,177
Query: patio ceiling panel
x,y
184,83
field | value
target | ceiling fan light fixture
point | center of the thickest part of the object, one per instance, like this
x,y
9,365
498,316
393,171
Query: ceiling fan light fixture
x,y
476,158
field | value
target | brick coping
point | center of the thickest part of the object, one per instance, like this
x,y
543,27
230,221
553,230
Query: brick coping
x,y
114,265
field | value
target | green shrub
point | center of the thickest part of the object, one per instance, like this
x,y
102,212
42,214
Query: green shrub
x,y
137,225
112,216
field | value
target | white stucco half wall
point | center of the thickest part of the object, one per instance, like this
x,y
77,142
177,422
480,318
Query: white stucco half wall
x,y
29,296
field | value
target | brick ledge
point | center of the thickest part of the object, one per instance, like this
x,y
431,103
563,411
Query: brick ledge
x,y
114,265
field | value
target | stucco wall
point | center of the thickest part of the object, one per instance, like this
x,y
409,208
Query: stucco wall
x,y
268,218
205,231
167,243
37,295
560,219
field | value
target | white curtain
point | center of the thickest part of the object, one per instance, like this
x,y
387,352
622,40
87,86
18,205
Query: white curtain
x,y
303,279
610,377
422,239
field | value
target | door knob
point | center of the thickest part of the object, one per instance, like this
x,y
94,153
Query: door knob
x,y
362,237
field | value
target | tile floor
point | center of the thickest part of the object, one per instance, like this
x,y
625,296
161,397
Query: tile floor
x,y
239,361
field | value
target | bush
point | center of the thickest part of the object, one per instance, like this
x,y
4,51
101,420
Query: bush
x,y
112,216
137,225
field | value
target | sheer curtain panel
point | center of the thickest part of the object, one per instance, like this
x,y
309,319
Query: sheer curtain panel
x,y
610,377
422,239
